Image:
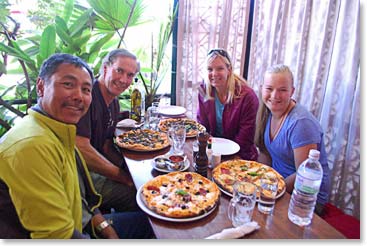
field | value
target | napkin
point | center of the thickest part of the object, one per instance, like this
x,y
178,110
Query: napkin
x,y
237,232
126,123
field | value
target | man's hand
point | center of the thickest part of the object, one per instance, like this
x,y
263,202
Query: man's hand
x,y
100,164
108,232
123,177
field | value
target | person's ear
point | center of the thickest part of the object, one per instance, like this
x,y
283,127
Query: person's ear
x,y
40,87
104,70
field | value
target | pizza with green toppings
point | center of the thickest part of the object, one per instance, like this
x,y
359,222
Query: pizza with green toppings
x,y
143,140
228,172
180,194
192,127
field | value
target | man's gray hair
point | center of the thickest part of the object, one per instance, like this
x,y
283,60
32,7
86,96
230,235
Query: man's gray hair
x,y
113,55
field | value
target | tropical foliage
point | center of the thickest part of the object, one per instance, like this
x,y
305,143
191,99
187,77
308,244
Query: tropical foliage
x,y
86,31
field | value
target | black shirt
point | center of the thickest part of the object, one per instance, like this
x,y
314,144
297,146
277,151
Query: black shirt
x,y
99,123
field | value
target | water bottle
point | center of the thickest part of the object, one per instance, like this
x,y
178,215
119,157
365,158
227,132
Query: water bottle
x,y
306,188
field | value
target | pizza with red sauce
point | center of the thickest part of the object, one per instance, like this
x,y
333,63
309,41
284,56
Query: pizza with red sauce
x,y
228,172
180,194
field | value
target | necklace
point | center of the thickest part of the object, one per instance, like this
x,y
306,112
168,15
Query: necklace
x,y
281,121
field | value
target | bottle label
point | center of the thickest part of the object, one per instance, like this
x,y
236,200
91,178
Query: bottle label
x,y
306,185
136,105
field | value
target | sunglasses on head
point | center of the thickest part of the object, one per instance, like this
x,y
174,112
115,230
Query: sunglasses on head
x,y
220,52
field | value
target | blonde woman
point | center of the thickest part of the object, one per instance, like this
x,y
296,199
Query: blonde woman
x,y
286,131
227,105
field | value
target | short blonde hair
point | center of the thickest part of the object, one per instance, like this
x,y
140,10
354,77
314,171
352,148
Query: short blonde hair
x,y
280,68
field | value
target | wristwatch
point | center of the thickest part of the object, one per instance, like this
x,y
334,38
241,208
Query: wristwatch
x,y
102,226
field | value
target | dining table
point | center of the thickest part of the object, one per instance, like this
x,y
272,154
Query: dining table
x,y
272,226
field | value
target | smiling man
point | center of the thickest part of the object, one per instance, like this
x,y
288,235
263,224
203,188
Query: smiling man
x,y
39,187
96,131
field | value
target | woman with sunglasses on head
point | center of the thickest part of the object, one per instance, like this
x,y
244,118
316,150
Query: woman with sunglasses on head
x,y
227,105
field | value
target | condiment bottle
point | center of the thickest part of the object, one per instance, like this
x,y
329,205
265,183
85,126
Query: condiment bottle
x,y
137,102
209,152
201,159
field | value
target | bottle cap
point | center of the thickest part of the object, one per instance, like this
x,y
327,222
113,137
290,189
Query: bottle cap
x,y
314,154
209,143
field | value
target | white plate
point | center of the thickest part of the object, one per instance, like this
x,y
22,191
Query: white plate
x,y
257,199
128,123
224,146
164,170
171,110
141,204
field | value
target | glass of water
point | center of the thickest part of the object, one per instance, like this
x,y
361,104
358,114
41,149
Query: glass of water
x,y
268,193
241,206
177,133
153,116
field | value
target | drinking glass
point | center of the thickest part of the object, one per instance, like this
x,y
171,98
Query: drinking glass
x,y
216,159
153,116
242,204
170,133
178,135
268,193
195,149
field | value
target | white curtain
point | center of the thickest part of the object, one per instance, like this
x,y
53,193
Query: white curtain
x,y
203,25
319,40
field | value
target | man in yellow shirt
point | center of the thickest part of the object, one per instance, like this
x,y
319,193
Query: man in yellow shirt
x,y
45,187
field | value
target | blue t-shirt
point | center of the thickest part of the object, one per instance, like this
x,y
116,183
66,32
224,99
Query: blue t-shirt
x,y
300,128
219,107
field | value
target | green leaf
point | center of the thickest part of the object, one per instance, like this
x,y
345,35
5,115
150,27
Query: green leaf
x,y
48,42
62,31
244,168
82,41
101,41
39,60
32,51
114,14
181,192
15,52
2,68
253,174
81,23
68,10
96,47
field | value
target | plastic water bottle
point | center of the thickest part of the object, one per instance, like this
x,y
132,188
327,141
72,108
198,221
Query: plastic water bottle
x,y
306,188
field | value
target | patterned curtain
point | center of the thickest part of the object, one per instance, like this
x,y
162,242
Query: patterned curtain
x,y
203,25
319,40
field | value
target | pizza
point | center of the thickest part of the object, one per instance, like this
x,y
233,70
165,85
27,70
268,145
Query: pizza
x,y
228,172
192,127
143,140
180,195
